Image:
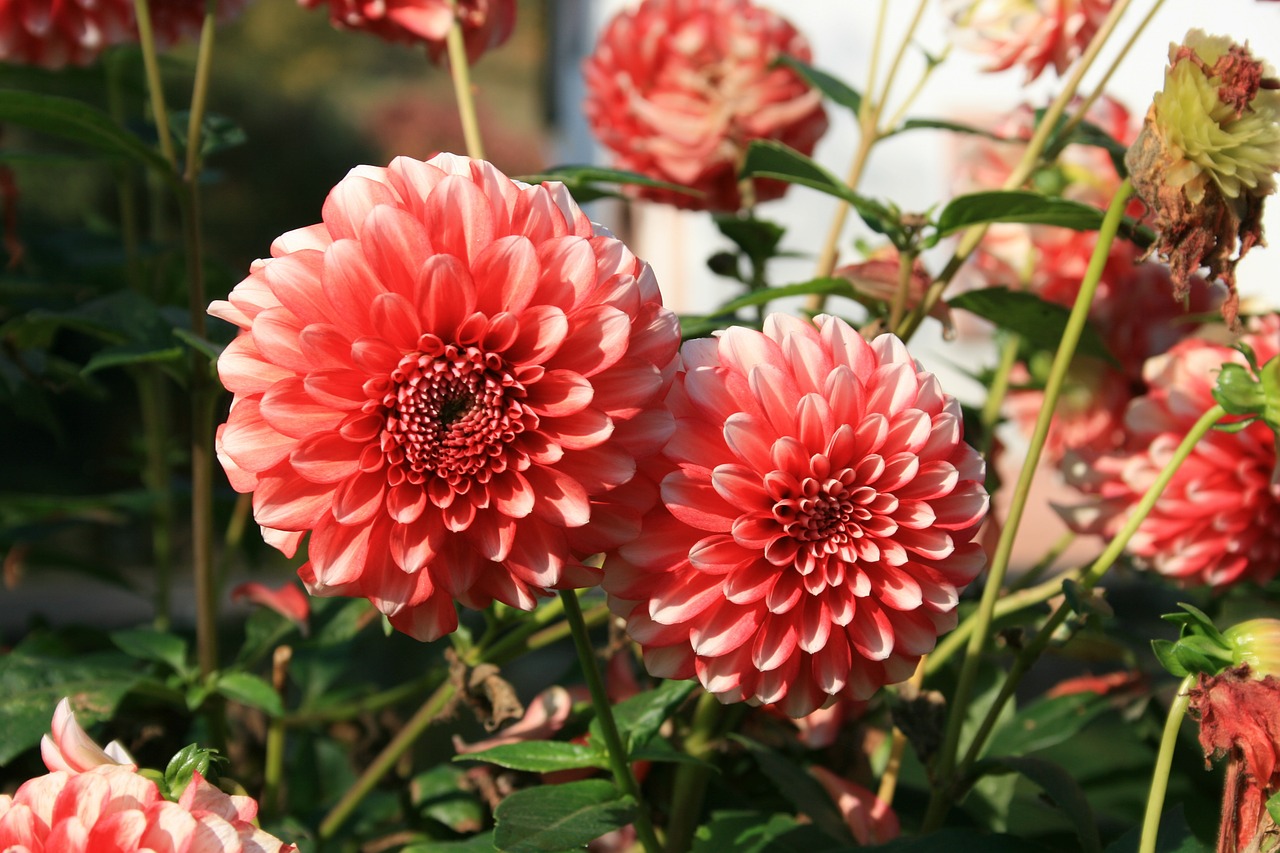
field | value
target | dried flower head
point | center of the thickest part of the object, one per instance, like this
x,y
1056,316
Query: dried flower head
x,y
1207,156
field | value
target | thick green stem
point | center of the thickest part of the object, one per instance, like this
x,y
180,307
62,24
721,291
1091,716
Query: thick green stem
x,y
273,771
1164,760
619,757
200,91
460,69
691,779
1004,547
153,392
997,392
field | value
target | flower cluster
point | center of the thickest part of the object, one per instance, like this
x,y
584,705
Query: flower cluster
x,y
447,383
1030,34
677,89
1218,521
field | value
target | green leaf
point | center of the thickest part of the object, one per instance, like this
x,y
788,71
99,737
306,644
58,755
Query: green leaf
x,y
151,645
1046,723
693,326
837,90
560,817
584,182
1166,652
1041,324
757,238
1021,206
941,124
188,760
1174,836
1273,807
217,132
439,794
540,756
801,789
767,158
640,717
248,689
79,122
120,356
482,843
754,832
32,684
1063,790
958,841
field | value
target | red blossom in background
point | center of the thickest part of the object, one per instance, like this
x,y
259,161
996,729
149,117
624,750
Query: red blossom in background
x,y
486,24
819,511
677,89
447,383
868,817
1030,34
1239,718
54,33
1218,521
287,600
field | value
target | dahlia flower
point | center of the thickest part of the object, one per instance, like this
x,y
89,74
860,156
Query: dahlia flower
x,y
54,33
818,519
92,803
1218,520
485,24
1032,34
1207,157
677,90
447,384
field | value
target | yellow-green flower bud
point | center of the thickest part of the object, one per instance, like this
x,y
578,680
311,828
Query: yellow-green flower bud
x,y
1257,643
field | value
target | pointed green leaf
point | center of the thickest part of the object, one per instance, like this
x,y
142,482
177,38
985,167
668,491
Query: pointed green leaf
x,y
586,183
1063,790
1040,323
640,717
835,89
540,756
79,122
248,689
150,645
560,817
1016,206
801,789
188,760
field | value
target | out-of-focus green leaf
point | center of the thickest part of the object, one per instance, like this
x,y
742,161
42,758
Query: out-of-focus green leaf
x,y
1045,723
560,817
1173,836
439,794
587,183
217,132
835,89
32,684
1062,789
151,645
1040,323
540,756
767,158
801,789
958,841
693,327
79,122
248,689
753,832
482,843
941,124
757,238
1021,206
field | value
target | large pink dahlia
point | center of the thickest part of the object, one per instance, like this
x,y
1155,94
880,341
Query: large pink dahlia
x,y
677,90
485,24
54,33
447,383
1031,34
1218,521
818,518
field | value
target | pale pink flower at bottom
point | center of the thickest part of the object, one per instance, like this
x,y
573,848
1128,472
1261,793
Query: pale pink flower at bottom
x,y
1218,521
817,520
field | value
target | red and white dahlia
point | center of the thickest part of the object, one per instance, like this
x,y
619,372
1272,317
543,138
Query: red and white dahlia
x,y
1218,520
1033,34
447,383
677,90
55,33
485,24
818,519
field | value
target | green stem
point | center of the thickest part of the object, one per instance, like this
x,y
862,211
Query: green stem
x,y
1030,159
1056,550
1004,547
155,84
460,69
691,779
997,392
200,91
386,759
273,771
1164,760
154,395
619,758
901,52
906,264
1032,651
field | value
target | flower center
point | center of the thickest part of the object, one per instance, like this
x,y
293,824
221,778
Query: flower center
x,y
831,522
453,412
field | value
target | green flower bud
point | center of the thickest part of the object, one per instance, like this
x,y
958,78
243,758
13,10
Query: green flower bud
x,y
1257,643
